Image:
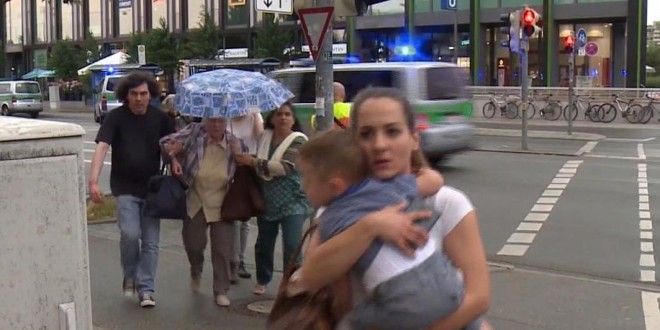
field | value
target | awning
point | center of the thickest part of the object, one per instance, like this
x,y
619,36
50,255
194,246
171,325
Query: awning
x,y
114,59
39,73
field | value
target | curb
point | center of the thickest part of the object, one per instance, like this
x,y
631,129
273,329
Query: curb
x,y
101,221
529,152
540,134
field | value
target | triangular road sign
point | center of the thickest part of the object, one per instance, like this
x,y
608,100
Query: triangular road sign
x,y
315,23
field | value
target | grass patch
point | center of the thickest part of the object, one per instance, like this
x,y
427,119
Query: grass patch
x,y
105,210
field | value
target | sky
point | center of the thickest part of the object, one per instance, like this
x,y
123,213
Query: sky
x,y
653,12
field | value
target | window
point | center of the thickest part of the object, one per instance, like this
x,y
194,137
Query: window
x,y
388,7
125,10
158,12
5,89
14,23
112,82
353,81
41,18
237,15
67,20
196,9
446,83
94,17
27,88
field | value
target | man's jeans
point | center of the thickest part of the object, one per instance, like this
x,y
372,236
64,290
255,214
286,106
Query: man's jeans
x,y
139,264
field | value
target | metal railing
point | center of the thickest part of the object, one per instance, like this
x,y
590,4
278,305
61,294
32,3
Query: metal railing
x,y
600,94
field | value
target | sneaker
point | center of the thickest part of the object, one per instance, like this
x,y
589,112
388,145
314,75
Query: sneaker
x,y
222,301
195,283
128,287
259,289
242,272
146,300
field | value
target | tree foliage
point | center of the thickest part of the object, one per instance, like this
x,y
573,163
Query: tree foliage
x,y
272,38
201,42
161,48
653,56
91,48
65,58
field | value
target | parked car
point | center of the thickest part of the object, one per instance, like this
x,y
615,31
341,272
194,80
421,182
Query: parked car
x,y
20,96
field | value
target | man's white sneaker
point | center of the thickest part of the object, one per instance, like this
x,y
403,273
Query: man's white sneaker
x,y
146,300
128,287
222,300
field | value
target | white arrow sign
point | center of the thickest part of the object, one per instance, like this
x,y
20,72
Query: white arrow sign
x,y
275,6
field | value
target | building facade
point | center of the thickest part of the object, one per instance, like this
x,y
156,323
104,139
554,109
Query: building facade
x,y
653,34
615,26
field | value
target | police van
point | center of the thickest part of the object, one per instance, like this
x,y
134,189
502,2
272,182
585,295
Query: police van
x,y
21,96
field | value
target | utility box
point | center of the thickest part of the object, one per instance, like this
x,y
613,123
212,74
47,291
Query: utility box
x,y
44,263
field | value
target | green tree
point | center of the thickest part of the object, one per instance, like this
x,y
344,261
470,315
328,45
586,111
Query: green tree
x,y
161,48
65,58
272,38
653,56
91,48
201,42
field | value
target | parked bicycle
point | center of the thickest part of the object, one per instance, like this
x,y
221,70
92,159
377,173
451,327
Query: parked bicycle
x,y
649,110
507,109
583,103
607,112
551,109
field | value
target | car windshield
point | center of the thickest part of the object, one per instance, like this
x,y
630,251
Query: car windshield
x,y
112,82
28,88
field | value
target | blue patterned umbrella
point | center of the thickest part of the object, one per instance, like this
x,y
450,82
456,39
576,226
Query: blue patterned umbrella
x,y
229,93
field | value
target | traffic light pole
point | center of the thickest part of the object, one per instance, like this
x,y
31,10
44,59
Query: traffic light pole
x,y
571,86
524,77
456,36
325,77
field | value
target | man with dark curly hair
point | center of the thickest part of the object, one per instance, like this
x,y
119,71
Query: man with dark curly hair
x,y
133,130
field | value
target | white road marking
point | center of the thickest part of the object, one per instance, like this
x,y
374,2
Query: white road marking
x,y
89,142
642,174
646,247
643,184
646,235
644,214
646,260
519,242
521,238
644,206
629,140
531,226
643,198
536,217
612,157
586,148
640,151
514,250
644,191
647,276
645,225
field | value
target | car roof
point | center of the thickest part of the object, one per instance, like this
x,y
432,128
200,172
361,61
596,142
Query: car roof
x,y
374,66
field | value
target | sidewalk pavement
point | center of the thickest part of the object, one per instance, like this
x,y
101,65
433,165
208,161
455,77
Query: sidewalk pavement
x,y
563,123
540,134
520,300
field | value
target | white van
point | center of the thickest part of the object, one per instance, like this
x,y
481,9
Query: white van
x,y
435,89
22,96
106,99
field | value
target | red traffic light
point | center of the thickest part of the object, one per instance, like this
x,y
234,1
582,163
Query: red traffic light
x,y
528,17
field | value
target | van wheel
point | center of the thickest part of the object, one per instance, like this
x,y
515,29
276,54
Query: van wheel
x,y
5,110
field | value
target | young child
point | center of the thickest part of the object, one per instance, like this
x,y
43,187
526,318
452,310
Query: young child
x,y
404,292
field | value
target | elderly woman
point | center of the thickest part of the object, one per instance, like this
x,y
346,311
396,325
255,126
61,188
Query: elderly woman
x,y
201,157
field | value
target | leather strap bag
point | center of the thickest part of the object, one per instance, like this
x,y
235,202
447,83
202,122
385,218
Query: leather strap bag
x,y
243,199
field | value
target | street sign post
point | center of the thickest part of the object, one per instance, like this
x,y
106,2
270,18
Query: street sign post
x,y
453,5
275,6
317,27
142,60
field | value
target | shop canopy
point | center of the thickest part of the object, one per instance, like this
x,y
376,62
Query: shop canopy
x,y
114,59
39,73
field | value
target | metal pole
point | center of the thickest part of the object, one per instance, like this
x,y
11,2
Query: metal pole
x,y
524,47
324,77
456,36
571,83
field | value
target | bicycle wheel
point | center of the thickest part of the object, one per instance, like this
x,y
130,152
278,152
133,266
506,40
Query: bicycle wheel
x,y
552,111
511,111
573,112
593,113
607,113
645,116
633,114
530,111
489,109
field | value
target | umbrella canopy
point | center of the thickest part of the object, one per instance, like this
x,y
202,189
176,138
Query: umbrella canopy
x,y
229,93
39,73
650,69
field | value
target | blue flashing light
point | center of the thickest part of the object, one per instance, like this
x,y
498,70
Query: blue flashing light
x,y
111,69
480,74
624,73
405,50
352,59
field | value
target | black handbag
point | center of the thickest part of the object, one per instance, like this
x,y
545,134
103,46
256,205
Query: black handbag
x,y
166,197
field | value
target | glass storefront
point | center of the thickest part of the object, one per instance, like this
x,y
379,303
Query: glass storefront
x,y
196,9
596,61
40,24
427,6
67,21
158,12
389,7
503,66
237,15
487,4
519,3
95,17
14,22
570,2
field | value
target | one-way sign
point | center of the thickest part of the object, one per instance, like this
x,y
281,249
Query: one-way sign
x,y
275,6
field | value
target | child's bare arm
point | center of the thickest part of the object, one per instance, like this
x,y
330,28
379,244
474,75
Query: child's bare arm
x,y
429,181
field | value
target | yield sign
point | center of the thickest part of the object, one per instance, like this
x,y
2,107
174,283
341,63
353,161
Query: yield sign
x,y
315,23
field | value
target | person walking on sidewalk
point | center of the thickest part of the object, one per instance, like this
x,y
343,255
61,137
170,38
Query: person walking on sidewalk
x,y
204,161
133,130
248,128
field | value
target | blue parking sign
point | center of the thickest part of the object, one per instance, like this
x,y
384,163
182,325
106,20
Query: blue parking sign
x,y
581,37
449,4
